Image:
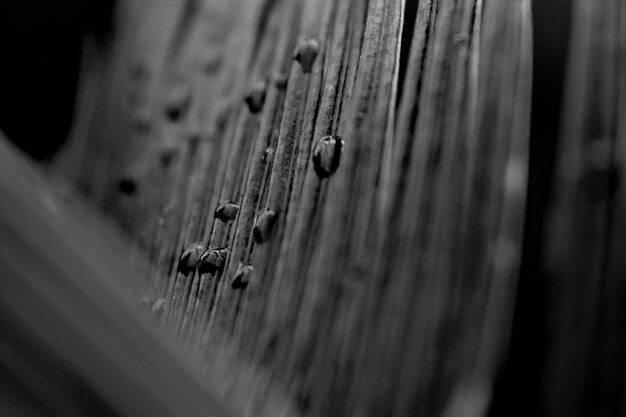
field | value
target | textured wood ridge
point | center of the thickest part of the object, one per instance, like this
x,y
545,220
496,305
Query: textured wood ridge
x,y
386,288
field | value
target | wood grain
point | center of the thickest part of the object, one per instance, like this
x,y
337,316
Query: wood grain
x,y
385,289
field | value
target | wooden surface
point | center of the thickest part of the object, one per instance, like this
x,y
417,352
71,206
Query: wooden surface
x,y
387,288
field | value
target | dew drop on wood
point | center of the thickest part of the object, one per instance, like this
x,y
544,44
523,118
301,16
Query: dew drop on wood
x,y
256,96
327,155
226,211
264,226
189,258
306,53
241,278
212,261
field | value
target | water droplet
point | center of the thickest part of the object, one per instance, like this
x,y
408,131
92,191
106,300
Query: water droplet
x,y
264,225
280,81
189,258
256,97
268,155
212,261
226,211
127,186
178,103
326,155
306,53
242,277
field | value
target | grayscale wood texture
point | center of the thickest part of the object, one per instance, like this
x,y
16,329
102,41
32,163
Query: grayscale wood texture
x,y
386,289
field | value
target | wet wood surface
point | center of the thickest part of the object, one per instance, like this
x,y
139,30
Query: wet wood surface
x,y
384,288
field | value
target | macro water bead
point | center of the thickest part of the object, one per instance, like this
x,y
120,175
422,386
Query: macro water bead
x,y
306,53
256,96
189,258
242,277
178,102
264,225
326,155
226,211
212,261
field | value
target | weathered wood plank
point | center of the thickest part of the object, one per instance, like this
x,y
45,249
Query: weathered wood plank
x,y
384,289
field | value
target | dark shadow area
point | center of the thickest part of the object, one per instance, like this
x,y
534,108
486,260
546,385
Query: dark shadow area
x,y
40,47
519,390
410,17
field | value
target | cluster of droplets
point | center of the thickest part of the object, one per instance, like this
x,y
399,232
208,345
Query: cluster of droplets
x,y
195,258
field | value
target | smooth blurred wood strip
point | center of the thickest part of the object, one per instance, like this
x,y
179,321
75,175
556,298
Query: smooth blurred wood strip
x,y
585,367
